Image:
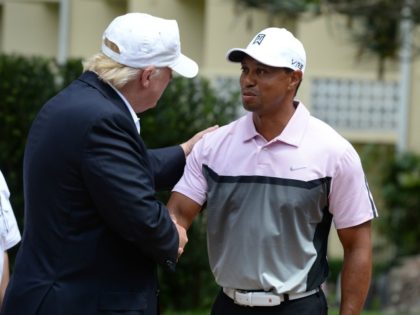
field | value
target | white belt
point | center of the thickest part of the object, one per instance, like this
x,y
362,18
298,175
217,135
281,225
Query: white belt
x,y
260,298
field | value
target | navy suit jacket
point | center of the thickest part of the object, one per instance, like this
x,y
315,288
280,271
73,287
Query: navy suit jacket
x,y
94,232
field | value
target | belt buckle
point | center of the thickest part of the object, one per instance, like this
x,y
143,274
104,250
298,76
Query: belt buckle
x,y
250,299
245,298
245,294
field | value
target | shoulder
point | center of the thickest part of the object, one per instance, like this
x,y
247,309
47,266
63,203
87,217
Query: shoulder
x,y
329,148
225,131
326,137
82,103
215,142
338,152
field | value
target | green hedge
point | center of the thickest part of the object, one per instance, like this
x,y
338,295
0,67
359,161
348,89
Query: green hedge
x,y
25,84
395,183
401,191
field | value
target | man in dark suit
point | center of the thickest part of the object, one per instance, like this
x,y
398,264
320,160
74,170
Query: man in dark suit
x,y
94,232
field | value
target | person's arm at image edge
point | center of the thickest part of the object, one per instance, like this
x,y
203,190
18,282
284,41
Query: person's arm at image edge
x,y
5,277
357,267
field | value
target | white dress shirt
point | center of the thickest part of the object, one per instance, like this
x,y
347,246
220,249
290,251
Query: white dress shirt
x,y
9,231
133,114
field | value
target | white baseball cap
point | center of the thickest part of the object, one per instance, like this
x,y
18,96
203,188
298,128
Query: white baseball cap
x,y
275,47
144,40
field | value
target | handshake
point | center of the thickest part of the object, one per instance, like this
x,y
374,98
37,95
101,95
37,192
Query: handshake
x,y
182,233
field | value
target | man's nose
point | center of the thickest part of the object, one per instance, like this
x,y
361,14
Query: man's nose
x,y
248,79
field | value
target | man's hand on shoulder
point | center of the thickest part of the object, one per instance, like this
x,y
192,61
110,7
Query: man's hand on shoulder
x,y
188,145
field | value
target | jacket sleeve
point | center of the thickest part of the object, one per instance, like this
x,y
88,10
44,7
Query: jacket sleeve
x,y
167,165
119,178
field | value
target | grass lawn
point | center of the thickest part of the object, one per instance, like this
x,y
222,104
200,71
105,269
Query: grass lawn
x,y
207,312
335,312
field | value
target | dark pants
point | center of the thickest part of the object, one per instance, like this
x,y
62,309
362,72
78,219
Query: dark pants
x,y
315,304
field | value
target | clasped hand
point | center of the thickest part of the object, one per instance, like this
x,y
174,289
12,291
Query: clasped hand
x,y
183,238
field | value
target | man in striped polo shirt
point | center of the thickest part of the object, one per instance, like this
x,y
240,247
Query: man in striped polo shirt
x,y
274,180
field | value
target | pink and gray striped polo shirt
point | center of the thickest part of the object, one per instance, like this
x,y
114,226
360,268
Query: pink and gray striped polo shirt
x,y
270,204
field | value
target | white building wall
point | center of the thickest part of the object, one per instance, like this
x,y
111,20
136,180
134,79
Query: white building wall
x,y
30,28
88,20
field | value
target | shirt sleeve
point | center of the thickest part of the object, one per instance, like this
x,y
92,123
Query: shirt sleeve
x,y
351,201
9,231
192,183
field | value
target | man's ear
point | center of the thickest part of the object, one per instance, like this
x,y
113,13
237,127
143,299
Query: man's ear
x,y
145,75
296,78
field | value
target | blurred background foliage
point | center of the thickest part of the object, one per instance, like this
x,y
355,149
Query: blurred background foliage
x,y
401,191
25,84
186,107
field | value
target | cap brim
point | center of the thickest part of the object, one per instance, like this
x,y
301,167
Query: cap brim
x,y
236,54
185,66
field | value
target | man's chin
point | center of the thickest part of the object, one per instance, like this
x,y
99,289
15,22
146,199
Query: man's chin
x,y
249,107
